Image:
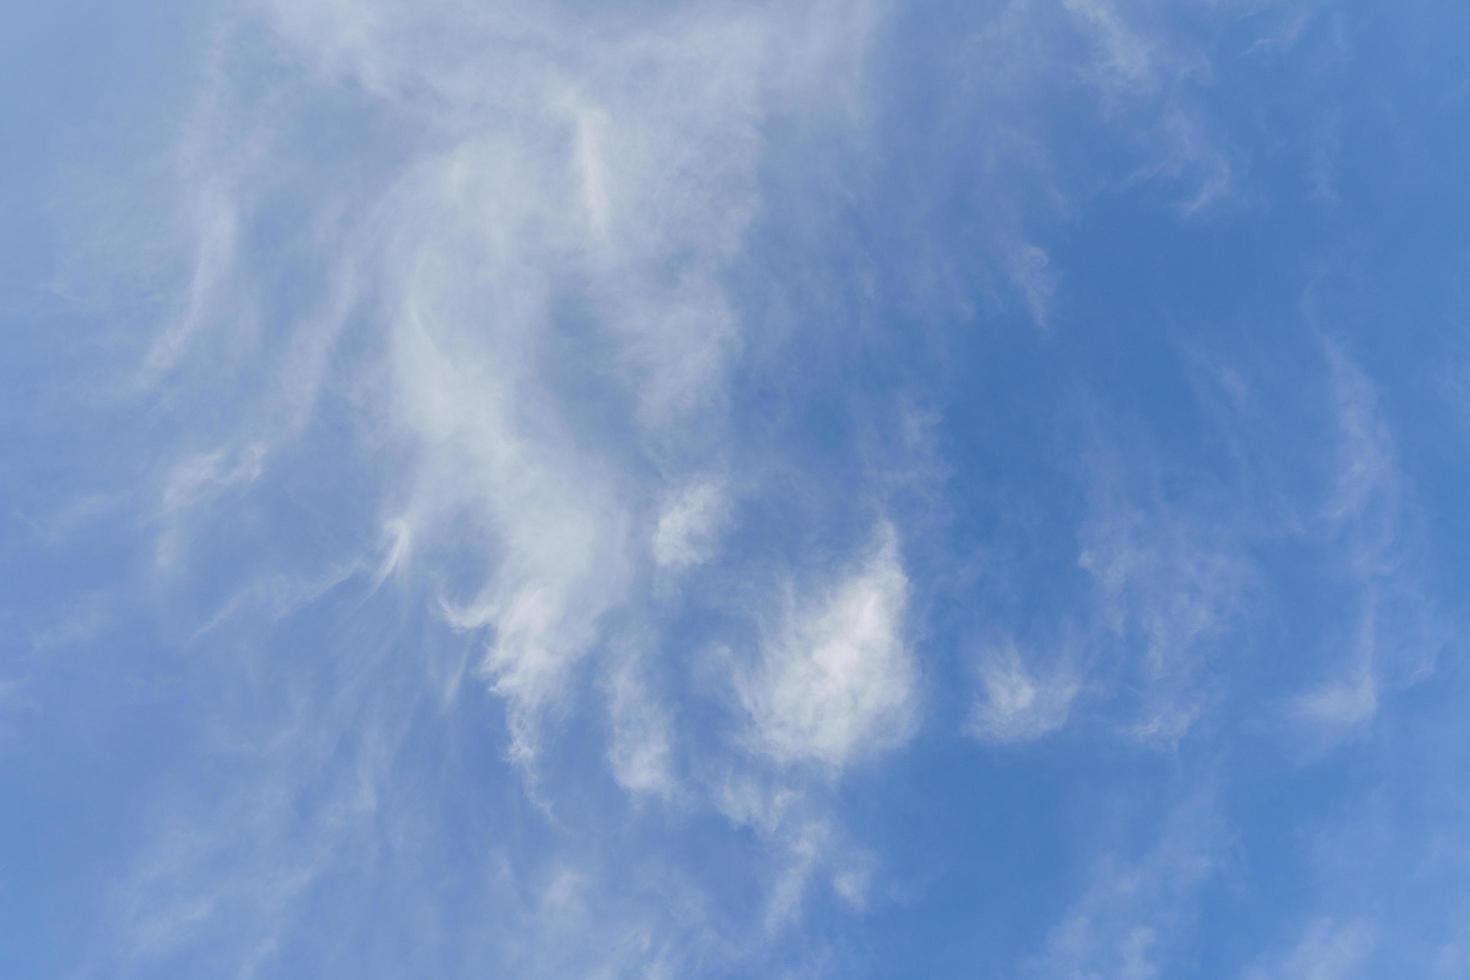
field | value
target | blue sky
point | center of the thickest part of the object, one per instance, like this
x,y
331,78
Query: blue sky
x,y
825,489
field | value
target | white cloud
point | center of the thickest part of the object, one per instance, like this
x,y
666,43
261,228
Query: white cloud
x,y
1136,914
690,524
513,281
1160,578
1142,72
560,185
1167,583
1030,271
1127,55
853,880
837,681
641,750
1017,704
197,478
1369,521
503,282
1340,704
1329,949
1366,494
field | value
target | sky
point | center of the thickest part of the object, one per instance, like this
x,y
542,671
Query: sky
x,y
832,488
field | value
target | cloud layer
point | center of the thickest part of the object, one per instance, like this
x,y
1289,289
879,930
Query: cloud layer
x,y
823,489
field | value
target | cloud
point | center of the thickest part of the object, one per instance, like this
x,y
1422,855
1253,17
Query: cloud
x,y
1145,69
191,479
1168,581
545,188
1127,55
1329,949
837,681
641,749
1029,268
1016,704
1366,492
479,345
690,523
1137,914
1341,704
1369,519
482,322
1159,578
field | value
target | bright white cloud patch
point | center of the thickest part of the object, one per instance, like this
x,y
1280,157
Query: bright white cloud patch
x,y
836,679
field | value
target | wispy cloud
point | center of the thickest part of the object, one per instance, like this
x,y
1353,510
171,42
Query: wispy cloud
x,y
1136,915
511,280
543,495
1369,520
1017,703
836,680
690,524
1328,950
